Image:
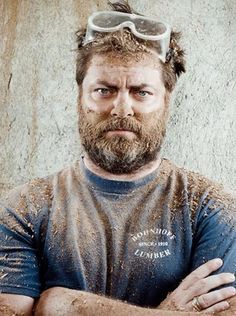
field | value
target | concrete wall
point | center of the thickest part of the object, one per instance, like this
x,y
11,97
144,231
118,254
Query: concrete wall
x,y
38,122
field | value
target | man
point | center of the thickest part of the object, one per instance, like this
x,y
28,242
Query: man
x,y
122,231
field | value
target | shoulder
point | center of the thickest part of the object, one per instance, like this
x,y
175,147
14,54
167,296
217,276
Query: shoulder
x,y
38,194
198,190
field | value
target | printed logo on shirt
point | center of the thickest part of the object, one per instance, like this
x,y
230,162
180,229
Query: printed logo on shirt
x,y
153,243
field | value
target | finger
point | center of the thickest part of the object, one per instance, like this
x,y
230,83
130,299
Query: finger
x,y
201,272
219,307
205,285
214,297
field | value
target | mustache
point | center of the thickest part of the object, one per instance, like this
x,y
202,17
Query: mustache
x,y
127,124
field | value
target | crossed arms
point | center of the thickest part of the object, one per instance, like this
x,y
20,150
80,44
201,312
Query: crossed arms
x,y
62,301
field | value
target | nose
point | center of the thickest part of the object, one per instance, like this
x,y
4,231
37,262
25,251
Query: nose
x,y
122,105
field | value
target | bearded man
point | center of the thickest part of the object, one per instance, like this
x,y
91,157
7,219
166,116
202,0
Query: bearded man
x,y
122,231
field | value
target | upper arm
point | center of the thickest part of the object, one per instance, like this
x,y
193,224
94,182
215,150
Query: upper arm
x,y
19,262
215,237
11,304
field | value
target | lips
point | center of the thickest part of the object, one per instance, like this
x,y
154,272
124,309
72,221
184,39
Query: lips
x,y
121,130
120,125
121,133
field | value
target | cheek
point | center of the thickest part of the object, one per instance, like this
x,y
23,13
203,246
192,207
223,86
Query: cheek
x,y
151,120
99,106
148,120
156,106
90,116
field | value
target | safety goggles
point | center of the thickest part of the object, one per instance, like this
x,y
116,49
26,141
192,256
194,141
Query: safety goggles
x,y
142,27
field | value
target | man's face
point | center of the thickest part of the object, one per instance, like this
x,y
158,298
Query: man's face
x,y
123,109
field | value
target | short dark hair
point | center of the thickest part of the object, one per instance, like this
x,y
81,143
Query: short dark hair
x,y
124,41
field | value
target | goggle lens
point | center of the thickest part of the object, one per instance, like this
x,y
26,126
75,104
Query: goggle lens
x,y
145,27
107,21
142,27
149,27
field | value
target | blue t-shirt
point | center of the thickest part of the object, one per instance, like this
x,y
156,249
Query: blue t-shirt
x,y
129,240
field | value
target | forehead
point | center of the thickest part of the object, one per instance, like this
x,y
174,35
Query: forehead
x,y
140,68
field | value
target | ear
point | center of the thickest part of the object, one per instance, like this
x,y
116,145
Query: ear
x,y
167,97
79,97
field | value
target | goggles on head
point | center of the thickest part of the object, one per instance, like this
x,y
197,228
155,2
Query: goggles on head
x,y
143,27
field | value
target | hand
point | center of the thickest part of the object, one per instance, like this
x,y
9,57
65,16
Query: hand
x,y
193,294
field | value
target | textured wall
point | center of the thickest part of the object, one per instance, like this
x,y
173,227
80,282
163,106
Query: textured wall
x,y
38,128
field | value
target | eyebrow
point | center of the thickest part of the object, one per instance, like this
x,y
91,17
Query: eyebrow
x,y
105,83
139,86
142,85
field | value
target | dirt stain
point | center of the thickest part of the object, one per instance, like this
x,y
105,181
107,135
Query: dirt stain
x,y
33,143
8,17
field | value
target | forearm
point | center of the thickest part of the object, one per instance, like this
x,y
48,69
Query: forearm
x,y
61,301
17,305
7,311
232,309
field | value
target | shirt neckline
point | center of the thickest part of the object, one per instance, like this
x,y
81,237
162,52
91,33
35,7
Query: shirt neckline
x,y
115,186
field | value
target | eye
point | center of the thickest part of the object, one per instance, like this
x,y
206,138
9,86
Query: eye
x,y
103,91
143,93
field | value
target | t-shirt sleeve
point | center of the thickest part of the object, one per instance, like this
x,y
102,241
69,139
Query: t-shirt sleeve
x,y
215,236
19,265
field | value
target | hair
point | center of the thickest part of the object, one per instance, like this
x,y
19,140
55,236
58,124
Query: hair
x,y
124,42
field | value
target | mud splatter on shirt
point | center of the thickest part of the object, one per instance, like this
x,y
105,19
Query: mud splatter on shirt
x,y
130,240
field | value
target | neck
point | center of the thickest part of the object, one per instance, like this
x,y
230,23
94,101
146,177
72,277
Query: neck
x,y
140,173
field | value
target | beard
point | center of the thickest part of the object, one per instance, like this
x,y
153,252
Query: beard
x,y
120,154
